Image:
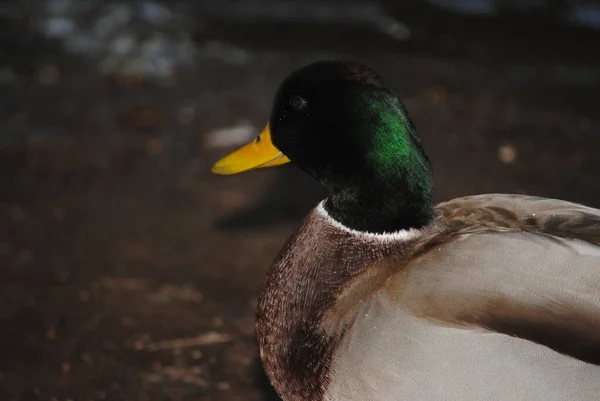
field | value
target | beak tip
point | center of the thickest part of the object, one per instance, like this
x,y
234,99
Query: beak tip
x,y
224,169
218,170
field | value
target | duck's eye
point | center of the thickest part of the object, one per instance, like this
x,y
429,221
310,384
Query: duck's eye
x,y
297,102
257,140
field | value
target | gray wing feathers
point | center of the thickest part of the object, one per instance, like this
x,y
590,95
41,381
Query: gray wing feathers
x,y
539,281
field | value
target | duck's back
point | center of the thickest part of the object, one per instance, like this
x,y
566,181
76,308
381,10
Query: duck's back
x,y
499,300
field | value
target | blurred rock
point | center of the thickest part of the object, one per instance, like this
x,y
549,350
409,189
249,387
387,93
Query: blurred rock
x,y
143,38
235,135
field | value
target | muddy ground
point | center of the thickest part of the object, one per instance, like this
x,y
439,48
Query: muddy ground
x,y
129,272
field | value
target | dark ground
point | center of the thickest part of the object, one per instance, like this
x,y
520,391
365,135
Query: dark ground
x,y
128,272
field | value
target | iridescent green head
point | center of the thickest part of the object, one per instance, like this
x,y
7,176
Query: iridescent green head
x,y
344,125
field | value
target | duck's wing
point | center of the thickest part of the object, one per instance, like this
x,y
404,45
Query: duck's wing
x,y
501,301
523,266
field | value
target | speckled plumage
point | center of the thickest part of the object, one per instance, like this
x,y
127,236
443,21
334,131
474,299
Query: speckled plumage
x,y
324,275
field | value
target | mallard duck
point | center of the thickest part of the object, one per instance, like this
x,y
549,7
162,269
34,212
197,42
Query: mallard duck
x,y
382,295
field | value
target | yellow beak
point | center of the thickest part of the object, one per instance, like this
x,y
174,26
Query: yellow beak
x,y
259,153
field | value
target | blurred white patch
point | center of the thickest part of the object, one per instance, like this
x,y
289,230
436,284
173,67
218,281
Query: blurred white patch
x,y
154,12
122,45
236,135
143,38
507,154
394,29
58,27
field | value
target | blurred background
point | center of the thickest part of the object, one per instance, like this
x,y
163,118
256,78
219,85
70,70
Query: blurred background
x,y
128,272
